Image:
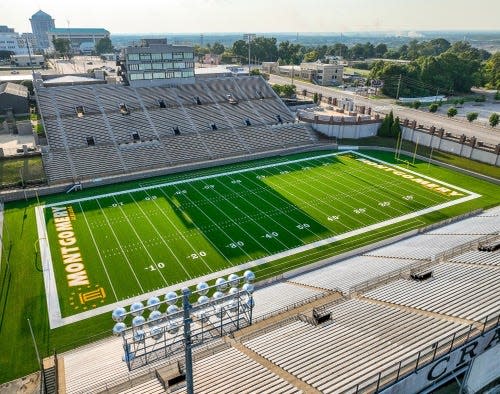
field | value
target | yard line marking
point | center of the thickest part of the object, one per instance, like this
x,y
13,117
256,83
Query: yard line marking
x,y
231,219
332,180
98,250
270,258
315,207
120,246
249,216
393,182
266,215
158,232
183,236
209,218
139,238
278,196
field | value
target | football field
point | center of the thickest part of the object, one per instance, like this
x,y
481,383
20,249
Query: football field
x,y
99,251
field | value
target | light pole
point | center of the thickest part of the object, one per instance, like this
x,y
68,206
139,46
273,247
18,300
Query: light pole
x,y
249,37
160,335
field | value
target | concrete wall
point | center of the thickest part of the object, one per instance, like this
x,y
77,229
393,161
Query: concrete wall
x,y
450,145
347,130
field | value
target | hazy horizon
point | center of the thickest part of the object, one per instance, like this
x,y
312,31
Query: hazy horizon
x,y
260,16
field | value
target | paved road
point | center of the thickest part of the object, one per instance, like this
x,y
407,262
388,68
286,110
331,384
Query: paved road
x,y
427,119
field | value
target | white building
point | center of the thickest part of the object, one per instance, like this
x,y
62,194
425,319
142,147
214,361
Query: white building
x,y
12,41
156,63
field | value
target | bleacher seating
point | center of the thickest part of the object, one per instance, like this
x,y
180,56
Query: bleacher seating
x,y
114,116
230,371
461,290
351,272
478,257
360,339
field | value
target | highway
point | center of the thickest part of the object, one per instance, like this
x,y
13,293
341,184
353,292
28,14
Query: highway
x,y
384,106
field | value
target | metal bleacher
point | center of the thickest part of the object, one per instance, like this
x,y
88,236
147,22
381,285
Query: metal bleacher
x,y
133,129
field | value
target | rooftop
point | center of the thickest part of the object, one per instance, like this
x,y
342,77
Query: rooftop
x,y
78,30
14,88
40,14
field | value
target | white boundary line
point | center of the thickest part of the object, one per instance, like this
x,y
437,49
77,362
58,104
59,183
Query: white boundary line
x,y
55,318
53,307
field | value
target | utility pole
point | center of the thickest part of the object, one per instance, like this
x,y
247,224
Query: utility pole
x,y
399,86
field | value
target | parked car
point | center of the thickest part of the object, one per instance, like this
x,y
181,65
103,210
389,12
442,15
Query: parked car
x,y
14,72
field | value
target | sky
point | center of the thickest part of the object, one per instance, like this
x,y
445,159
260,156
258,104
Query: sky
x,y
259,16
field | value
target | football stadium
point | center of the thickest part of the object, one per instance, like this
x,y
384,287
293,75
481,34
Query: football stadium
x,y
333,268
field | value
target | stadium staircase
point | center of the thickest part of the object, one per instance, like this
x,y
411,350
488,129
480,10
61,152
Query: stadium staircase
x,y
49,376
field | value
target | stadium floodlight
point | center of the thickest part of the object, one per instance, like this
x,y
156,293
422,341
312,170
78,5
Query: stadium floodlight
x,y
168,329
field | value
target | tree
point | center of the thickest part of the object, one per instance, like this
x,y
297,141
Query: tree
x,y
315,98
61,45
256,71
472,116
417,104
433,107
311,56
452,112
493,120
380,50
491,72
395,127
497,95
104,45
218,48
240,48
385,129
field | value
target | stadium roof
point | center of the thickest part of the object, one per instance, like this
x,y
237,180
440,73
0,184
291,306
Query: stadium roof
x,y
69,79
77,30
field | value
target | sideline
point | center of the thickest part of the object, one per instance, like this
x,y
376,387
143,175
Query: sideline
x,y
49,280
1,232
56,320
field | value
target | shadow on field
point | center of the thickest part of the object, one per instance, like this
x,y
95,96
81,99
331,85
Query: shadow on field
x,y
242,215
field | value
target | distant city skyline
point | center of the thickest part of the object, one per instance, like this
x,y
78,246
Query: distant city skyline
x,y
219,16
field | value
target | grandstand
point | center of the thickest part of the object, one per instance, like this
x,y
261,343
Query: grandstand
x,y
382,325
103,130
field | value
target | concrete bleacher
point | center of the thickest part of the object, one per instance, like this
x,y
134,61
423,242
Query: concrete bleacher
x,y
478,257
231,371
146,121
351,272
360,339
464,291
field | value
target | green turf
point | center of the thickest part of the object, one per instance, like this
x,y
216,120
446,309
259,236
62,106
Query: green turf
x,y
302,194
140,241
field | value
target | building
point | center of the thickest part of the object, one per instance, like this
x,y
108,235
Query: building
x,y
27,60
13,98
41,23
32,42
221,71
156,63
12,41
322,73
82,40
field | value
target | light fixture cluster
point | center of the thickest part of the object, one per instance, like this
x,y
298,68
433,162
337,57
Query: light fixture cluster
x,y
226,299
